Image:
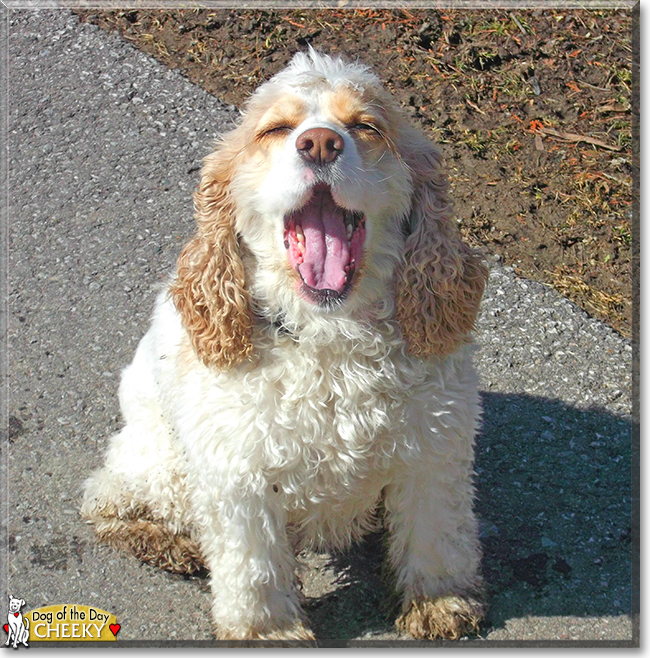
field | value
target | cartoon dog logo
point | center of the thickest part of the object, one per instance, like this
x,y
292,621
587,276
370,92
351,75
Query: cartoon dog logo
x,y
17,628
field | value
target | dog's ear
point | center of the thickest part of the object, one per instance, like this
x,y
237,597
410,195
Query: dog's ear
x,y
440,280
210,290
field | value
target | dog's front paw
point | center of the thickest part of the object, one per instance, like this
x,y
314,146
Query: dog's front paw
x,y
448,617
297,631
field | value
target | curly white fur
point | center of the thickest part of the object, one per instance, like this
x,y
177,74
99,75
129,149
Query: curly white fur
x,y
288,434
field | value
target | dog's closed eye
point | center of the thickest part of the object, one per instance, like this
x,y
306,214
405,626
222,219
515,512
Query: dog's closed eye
x,y
279,130
367,128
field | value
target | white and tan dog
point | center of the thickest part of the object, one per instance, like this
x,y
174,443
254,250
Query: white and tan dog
x,y
310,359
18,627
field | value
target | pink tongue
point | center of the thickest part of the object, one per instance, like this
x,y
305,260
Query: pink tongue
x,y
326,244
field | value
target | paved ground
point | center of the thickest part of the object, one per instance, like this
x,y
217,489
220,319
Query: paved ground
x,y
104,147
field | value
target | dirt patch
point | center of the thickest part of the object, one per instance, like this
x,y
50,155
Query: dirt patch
x,y
533,109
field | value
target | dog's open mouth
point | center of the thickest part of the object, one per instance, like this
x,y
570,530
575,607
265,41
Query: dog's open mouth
x,y
324,244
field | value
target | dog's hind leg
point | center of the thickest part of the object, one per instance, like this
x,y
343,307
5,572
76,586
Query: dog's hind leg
x,y
138,500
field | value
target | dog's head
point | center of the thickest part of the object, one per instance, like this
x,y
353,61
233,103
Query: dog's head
x,y
324,204
15,604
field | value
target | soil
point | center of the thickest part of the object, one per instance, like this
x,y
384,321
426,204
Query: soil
x,y
533,110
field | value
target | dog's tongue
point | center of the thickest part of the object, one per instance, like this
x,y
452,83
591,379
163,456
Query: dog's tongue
x,y
326,244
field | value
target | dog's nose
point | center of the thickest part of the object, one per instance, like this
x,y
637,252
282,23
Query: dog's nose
x,y
320,145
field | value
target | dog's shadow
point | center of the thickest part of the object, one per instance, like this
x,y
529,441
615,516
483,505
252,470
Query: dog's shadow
x,y
554,499
360,601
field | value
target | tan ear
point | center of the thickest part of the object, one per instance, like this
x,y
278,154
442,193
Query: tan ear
x,y
441,280
209,290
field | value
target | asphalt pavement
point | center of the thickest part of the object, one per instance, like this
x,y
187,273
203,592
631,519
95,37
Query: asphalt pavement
x,y
104,146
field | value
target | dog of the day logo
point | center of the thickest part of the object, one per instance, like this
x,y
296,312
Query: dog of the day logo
x,y
16,627
62,623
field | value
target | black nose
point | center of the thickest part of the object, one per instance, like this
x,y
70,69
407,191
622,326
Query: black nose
x,y
320,145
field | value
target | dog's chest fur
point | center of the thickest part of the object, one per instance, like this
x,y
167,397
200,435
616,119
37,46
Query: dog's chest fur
x,y
318,422
306,408
320,426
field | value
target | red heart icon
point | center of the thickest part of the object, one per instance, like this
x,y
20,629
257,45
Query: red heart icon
x,y
16,614
6,627
115,628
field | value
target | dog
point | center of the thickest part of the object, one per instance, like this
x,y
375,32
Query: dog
x,y
308,364
18,628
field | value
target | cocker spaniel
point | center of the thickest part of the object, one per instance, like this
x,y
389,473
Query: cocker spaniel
x,y
310,358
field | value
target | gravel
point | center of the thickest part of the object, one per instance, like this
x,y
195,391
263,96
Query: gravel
x,y
104,147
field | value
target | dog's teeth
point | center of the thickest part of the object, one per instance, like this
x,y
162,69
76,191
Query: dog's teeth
x,y
299,234
348,229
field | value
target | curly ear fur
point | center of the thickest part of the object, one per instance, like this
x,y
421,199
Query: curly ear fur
x,y
441,280
209,290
